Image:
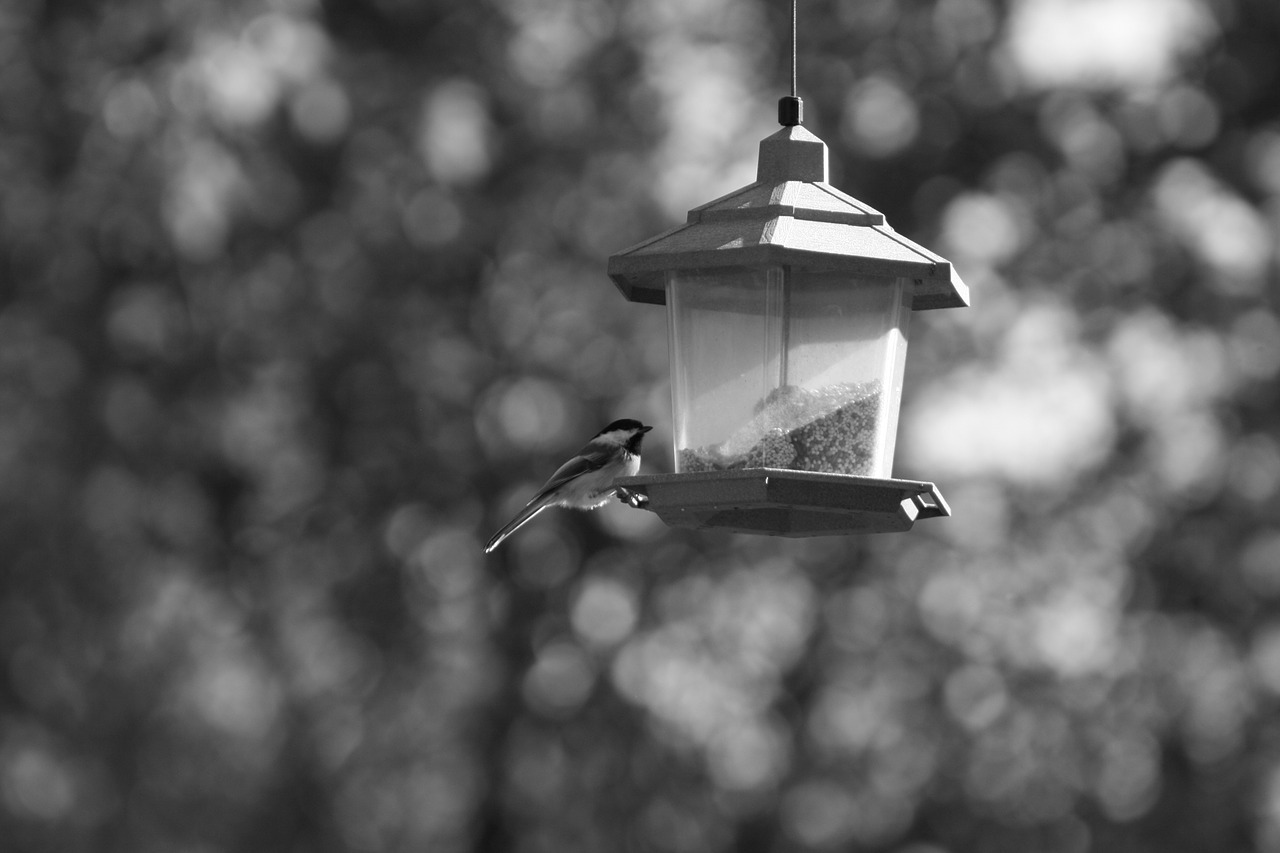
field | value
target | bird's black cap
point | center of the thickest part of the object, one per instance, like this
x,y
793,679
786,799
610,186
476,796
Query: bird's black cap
x,y
627,424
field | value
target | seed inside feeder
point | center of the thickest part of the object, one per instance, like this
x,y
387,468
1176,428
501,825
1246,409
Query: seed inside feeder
x,y
830,429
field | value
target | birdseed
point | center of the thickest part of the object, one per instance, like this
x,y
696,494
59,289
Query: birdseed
x,y
831,429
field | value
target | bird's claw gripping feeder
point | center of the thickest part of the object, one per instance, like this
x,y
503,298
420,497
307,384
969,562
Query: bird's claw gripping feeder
x,y
787,305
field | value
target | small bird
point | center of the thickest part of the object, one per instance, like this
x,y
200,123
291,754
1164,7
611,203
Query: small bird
x,y
586,480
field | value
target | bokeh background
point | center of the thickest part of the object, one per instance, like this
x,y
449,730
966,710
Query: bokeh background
x,y
300,299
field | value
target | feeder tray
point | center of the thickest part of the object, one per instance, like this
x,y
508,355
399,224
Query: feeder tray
x,y
779,502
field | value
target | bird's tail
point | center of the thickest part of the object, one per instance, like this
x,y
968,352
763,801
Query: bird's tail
x,y
525,515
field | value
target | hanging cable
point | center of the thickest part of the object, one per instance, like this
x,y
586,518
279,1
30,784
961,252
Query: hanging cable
x,y
794,93
791,108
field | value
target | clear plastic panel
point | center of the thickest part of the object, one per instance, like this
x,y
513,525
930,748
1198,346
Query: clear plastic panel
x,y
725,332
776,368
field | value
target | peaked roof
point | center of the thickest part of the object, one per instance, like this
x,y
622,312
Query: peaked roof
x,y
790,216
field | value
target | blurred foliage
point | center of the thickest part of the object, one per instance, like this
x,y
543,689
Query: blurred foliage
x,y
299,299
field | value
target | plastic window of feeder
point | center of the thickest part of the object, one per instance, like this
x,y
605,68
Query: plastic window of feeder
x,y
786,368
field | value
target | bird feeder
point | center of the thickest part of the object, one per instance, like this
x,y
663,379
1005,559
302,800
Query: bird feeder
x,y
788,306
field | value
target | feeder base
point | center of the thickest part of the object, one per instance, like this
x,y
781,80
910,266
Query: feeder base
x,y
778,502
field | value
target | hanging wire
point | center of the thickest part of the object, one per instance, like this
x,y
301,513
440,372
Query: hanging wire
x,y
794,93
791,109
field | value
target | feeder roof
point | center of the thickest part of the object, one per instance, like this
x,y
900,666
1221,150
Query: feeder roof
x,y
790,216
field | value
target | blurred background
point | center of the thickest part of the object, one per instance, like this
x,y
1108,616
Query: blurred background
x,y
301,299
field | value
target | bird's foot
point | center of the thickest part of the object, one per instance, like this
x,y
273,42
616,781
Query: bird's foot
x,y
633,499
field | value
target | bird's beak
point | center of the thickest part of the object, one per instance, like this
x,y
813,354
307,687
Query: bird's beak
x,y
643,430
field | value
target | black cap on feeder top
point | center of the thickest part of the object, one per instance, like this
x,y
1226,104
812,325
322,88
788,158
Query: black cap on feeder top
x,y
790,111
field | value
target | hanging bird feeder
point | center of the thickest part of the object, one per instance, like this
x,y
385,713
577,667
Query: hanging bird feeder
x,y
788,304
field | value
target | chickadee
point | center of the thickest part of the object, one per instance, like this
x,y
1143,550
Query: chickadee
x,y
586,480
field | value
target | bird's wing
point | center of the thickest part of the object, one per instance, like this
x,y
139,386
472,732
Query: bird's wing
x,y
588,459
